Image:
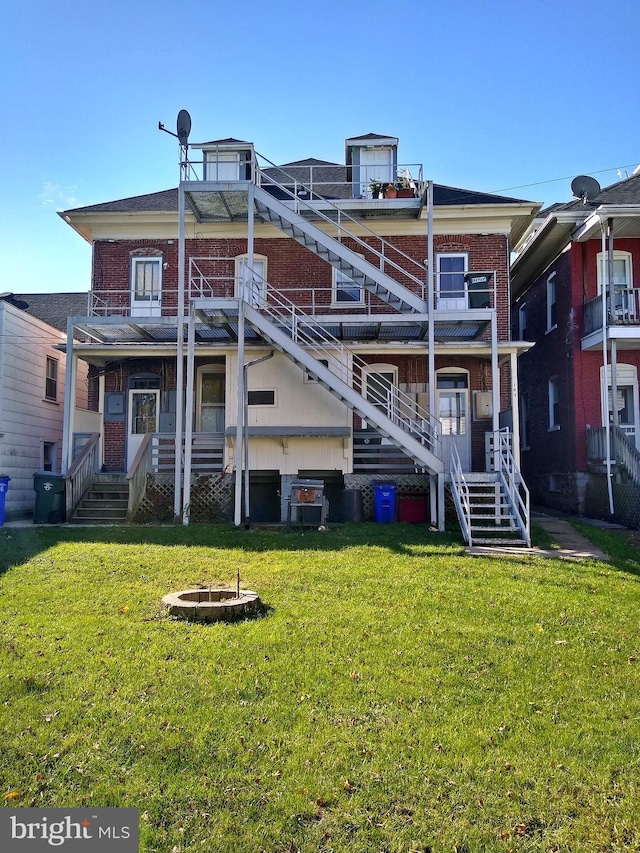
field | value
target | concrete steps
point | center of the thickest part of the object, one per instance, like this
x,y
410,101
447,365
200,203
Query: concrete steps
x,y
106,501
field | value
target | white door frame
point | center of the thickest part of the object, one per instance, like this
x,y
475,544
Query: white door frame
x,y
626,376
134,439
461,441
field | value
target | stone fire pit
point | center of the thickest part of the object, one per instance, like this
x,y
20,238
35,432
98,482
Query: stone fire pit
x,y
213,605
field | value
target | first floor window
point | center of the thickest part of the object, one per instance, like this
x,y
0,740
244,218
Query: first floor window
x,y
51,379
48,456
554,404
524,422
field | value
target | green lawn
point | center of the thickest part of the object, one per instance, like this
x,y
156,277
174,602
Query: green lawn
x,y
397,696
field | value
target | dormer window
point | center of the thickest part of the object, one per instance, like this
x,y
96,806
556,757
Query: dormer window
x,y
374,159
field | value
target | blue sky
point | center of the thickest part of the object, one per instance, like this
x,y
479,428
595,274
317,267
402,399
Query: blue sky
x,y
492,95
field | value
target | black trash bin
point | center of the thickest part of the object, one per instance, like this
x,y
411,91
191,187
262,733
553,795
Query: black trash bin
x,y
50,498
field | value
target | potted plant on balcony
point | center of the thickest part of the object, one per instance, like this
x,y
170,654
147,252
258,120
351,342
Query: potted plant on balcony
x,y
406,184
375,188
390,191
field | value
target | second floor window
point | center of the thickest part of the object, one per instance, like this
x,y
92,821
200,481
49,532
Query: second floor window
x,y
451,286
51,380
522,322
552,314
346,290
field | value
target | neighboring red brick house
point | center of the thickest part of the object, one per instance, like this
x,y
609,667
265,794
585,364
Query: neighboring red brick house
x,y
323,269
568,380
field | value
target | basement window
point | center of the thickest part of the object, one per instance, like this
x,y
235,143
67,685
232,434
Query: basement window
x,y
261,398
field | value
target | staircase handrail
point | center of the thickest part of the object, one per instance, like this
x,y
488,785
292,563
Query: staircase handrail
x,y
312,335
514,486
137,476
78,476
627,455
461,495
342,231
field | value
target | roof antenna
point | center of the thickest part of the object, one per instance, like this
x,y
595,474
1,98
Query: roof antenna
x,y
183,128
585,188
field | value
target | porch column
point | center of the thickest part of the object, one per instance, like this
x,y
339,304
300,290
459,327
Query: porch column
x,y
431,370
237,520
495,385
71,371
515,408
188,426
177,480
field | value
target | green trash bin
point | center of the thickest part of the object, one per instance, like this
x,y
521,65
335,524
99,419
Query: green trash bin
x,y
50,498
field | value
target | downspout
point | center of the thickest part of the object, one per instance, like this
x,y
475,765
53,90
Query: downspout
x,y
605,384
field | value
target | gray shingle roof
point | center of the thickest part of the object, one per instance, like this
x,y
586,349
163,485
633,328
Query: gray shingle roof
x,y
624,192
54,308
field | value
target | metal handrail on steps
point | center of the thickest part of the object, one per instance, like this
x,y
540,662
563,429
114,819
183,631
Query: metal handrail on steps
x,y
513,484
461,495
264,180
305,330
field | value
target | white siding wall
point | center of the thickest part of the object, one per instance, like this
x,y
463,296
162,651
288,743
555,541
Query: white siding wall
x,y
27,420
297,403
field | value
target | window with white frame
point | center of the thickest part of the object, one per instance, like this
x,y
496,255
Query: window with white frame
x,y
345,289
146,281
522,322
451,268
51,379
48,456
554,404
552,313
623,295
524,422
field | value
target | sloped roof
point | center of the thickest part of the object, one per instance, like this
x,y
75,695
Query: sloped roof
x,y
55,308
166,201
624,192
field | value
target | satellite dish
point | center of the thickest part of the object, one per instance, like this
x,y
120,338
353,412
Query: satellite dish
x,y
585,188
9,297
183,127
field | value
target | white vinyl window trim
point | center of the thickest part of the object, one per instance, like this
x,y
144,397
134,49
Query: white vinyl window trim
x,y
146,279
345,291
622,270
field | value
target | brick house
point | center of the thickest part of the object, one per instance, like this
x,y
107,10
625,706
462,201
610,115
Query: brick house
x,y
586,353
342,322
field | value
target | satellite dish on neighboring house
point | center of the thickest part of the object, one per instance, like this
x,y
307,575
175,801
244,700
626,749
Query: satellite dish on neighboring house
x,y
585,188
183,127
7,296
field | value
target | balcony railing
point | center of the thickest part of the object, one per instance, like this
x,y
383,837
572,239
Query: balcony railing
x,y
211,278
625,310
314,182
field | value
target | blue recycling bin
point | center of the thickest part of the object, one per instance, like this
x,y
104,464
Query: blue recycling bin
x,y
384,502
4,486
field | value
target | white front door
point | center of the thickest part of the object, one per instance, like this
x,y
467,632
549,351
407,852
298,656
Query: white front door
x,y
253,281
453,412
210,415
376,167
143,417
146,287
626,400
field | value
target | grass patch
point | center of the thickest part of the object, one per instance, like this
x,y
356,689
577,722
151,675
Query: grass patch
x,y
398,696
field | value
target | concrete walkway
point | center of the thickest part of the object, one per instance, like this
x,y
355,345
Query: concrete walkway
x,y
571,545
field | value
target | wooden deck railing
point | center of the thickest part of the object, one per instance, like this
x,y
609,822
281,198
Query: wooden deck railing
x,y
78,477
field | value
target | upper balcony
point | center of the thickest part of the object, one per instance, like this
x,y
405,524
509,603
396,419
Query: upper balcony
x,y
622,318
370,183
